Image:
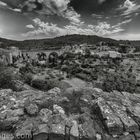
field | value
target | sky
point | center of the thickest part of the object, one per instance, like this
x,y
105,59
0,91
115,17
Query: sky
x,y
36,19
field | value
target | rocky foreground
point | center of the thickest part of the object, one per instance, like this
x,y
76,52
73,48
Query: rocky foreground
x,y
75,113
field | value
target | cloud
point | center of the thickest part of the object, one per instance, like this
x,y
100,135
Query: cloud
x,y
60,8
60,5
2,3
97,16
127,36
50,30
73,17
30,26
16,10
0,31
29,6
47,29
101,1
13,4
47,7
53,30
129,7
103,29
122,23
5,5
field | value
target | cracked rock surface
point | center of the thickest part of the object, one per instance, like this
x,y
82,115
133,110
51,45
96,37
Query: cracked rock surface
x,y
74,113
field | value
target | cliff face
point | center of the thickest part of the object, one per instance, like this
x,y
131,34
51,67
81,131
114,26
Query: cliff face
x,y
76,113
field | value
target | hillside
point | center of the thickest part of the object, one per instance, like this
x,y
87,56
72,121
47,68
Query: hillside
x,y
58,42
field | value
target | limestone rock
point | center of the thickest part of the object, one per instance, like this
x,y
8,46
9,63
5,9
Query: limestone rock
x,y
45,115
57,109
120,111
98,137
5,92
58,128
102,115
43,128
111,121
31,108
16,112
55,91
74,129
57,118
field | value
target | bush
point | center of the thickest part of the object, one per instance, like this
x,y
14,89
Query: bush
x,y
120,81
45,85
40,84
83,76
26,69
52,83
28,77
7,76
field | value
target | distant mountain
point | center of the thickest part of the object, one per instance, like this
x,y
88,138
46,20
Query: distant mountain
x,y
58,42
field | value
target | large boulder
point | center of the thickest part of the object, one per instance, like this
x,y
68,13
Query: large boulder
x,y
134,112
58,128
112,122
74,129
43,128
120,111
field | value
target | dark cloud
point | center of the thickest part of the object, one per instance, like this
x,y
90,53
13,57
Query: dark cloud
x,y
95,6
58,17
14,3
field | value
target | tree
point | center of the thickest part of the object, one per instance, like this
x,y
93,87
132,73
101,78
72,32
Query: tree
x,y
87,52
53,58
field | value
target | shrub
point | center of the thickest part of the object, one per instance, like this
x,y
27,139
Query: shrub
x,y
119,81
28,78
45,84
40,84
7,76
83,76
